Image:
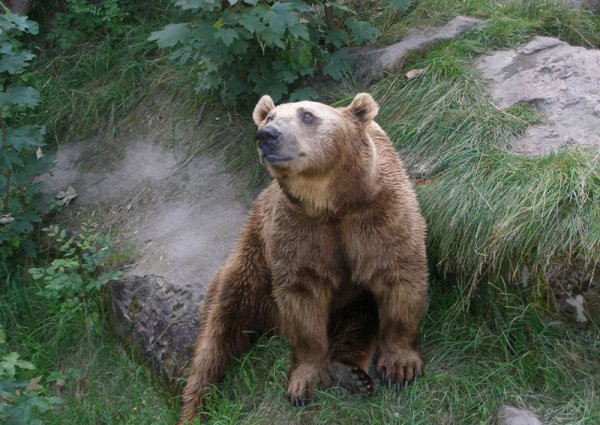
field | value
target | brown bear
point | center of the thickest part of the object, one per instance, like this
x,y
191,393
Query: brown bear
x,y
332,257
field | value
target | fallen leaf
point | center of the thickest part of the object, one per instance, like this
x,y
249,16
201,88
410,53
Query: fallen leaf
x,y
34,384
414,73
67,195
59,384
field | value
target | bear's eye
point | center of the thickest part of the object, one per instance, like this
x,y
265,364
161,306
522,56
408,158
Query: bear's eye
x,y
269,119
307,117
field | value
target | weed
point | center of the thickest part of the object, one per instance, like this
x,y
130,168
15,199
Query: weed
x,y
22,200
73,281
22,401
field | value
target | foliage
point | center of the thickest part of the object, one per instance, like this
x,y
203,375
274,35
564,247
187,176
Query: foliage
x,y
22,201
256,47
83,18
74,279
21,400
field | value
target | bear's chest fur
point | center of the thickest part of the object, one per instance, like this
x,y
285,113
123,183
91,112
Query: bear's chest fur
x,y
356,247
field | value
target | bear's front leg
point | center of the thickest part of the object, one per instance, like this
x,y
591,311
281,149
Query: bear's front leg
x,y
401,304
304,310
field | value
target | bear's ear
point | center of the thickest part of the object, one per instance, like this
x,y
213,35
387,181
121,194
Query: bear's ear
x,y
262,109
363,107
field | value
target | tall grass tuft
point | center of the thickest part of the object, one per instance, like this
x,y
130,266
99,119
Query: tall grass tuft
x,y
491,214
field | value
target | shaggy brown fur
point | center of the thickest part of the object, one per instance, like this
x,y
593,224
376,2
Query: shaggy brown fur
x,y
332,257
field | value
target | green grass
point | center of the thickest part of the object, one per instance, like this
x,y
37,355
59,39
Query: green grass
x,y
502,351
507,354
104,382
504,211
93,85
491,213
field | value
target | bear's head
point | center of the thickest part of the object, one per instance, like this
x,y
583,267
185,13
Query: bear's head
x,y
310,138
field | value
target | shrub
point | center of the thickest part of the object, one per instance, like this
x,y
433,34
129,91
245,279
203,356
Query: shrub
x,y
22,401
22,201
73,281
256,47
83,18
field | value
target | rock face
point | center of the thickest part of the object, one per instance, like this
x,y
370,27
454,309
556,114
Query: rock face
x,y
560,81
158,317
178,216
372,63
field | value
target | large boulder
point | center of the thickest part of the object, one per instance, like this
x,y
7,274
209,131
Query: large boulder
x,y
174,216
559,81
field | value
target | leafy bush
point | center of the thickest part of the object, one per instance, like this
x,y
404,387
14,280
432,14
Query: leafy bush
x,y
21,400
22,201
83,18
256,47
74,280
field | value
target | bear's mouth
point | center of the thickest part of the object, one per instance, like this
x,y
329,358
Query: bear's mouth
x,y
272,158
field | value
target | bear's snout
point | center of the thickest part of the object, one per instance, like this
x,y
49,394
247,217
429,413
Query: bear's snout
x,y
268,134
269,139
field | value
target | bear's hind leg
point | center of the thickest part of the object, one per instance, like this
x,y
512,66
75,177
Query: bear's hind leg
x,y
353,334
238,307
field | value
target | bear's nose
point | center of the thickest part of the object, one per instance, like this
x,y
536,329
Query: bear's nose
x,y
268,138
267,134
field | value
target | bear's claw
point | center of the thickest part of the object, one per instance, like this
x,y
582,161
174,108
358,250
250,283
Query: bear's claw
x,y
351,377
301,400
402,372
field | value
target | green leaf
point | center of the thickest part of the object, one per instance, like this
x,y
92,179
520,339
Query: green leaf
x,y
288,76
15,62
362,32
251,2
336,37
276,25
282,16
299,30
36,273
239,47
276,89
252,23
337,64
401,5
26,136
11,361
10,159
10,21
303,93
6,48
227,35
2,336
20,95
170,35
272,39
233,2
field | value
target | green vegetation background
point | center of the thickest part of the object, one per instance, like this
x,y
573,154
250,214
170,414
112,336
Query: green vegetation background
x,y
486,343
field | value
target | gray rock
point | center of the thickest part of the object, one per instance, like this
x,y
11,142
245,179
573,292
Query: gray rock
x,y
509,415
159,318
372,63
178,215
560,81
